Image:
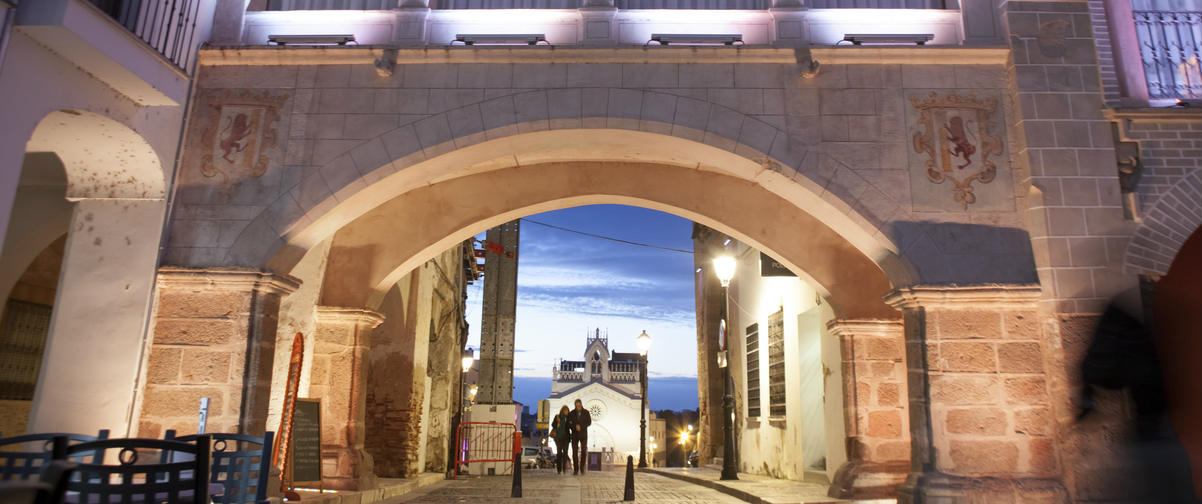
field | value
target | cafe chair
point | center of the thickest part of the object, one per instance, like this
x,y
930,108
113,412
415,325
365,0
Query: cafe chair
x,y
22,458
241,465
145,471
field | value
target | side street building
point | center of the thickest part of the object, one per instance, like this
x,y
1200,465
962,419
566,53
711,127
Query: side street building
x,y
958,187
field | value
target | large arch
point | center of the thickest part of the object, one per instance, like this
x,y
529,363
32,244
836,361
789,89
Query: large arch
x,y
91,359
561,125
368,255
1165,228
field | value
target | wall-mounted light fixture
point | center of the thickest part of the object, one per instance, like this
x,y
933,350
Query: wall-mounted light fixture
x,y
500,38
888,38
311,39
697,38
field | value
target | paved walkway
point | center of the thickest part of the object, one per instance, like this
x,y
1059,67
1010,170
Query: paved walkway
x,y
543,486
758,489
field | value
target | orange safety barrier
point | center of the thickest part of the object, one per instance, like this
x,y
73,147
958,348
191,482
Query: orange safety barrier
x,y
486,442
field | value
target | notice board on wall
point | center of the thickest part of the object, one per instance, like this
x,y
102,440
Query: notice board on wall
x,y
306,443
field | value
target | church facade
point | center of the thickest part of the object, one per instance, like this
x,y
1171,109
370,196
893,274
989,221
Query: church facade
x,y
607,383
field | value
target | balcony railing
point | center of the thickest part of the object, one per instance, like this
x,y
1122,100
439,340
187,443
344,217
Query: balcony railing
x,y
168,26
1170,43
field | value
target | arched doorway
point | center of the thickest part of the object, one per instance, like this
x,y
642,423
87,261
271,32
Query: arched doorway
x,y
100,184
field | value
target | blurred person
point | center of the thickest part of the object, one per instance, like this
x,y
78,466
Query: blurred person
x,y
1122,356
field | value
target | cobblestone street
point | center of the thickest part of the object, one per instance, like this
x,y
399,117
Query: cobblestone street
x,y
545,487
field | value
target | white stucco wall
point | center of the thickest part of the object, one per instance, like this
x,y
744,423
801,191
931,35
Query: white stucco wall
x,y
784,446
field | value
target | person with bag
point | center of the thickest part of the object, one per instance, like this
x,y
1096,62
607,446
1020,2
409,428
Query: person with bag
x,y
562,433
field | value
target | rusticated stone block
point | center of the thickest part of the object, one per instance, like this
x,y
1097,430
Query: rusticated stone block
x,y
203,304
1026,390
1042,455
1024,357
893,450
982,457
888,394
194,331
175,401
980,421
885,424
1033,421
1021,325
965,389
883,369
163,365
883,348
969,324
206,367
967,356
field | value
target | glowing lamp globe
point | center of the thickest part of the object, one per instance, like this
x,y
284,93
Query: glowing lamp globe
x,y
644,342
724,267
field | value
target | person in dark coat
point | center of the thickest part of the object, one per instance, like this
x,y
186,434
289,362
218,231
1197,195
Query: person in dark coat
x,y
579,419
1122,356
561,430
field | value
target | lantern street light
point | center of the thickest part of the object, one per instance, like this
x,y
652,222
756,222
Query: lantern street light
x,y
644,344
724,267
466,358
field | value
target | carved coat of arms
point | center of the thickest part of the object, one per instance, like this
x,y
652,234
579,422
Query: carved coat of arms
x,y
954,136
241,130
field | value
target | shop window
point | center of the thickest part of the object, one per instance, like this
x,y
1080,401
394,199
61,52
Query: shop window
x,y
776,364
753,370
22,336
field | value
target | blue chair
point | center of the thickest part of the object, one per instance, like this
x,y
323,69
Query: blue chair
x,y
240,465
17,463
183,479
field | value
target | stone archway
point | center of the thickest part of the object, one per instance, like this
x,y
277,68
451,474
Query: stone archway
x,y
92,355
1165,228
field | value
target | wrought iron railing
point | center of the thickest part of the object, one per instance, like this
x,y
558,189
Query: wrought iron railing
x,y
168,26
1170,43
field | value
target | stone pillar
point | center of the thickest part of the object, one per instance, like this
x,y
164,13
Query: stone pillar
x,y
339,379
214,337
981,421
89,374
874,399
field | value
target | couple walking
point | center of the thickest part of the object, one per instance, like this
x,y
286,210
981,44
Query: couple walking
x,y
571,427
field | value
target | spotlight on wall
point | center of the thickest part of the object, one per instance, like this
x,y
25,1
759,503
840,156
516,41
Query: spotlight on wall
x,y
500,38
888,38
311,39
696,38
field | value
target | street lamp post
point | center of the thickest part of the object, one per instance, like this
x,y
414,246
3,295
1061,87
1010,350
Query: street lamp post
x,y
466,359
724,267
644,343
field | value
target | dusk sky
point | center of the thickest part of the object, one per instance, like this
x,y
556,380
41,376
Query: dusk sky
x,y
570,284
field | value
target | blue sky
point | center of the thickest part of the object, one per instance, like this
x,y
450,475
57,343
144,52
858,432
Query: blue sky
x,y
569,284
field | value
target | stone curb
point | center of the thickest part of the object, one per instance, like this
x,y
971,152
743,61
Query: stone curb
x,y
733,492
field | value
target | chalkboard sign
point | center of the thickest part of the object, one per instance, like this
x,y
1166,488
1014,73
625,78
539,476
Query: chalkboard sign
x,y
306,443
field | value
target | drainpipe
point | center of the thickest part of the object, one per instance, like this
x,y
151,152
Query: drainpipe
x,y
10,16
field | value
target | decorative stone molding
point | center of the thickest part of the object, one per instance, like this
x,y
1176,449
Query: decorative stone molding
x,y
966,297
358,316
240,279
842,328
